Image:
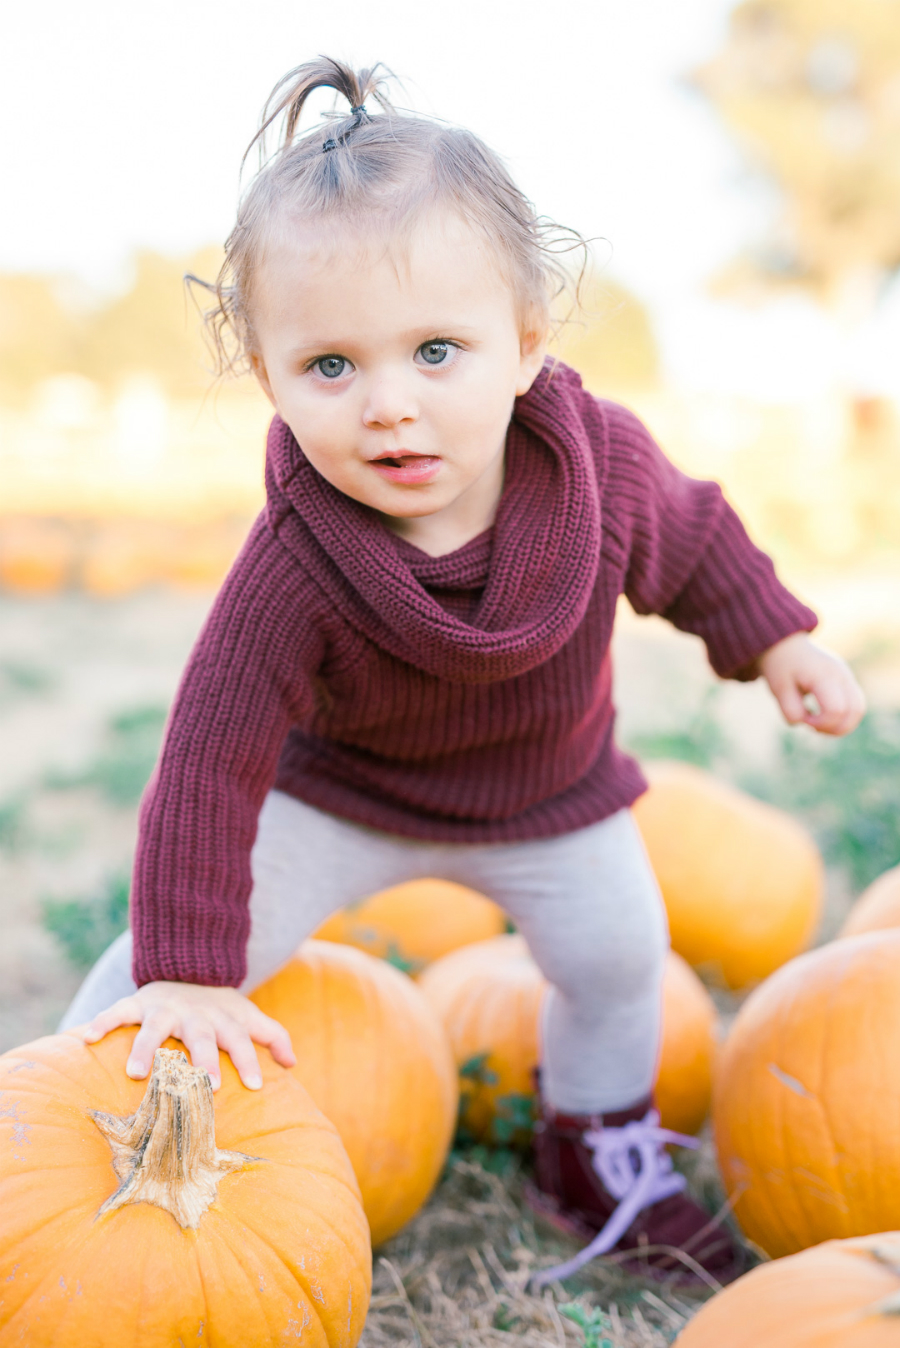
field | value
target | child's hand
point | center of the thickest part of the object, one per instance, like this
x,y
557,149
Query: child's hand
x,y
204,1019
796,668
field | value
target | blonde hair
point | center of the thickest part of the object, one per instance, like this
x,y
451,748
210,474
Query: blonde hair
x,y
381,169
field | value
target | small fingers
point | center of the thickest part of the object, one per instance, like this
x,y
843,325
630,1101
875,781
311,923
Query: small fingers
x,y
790,699
153,1033
236,1042
126,1011
201,1036
264,1030
841,702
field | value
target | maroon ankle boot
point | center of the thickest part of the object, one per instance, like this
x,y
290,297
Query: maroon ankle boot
x,y
608,1178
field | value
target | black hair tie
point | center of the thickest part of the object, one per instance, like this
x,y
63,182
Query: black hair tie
x,y
359,116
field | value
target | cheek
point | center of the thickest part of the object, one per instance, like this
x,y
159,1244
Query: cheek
x,y
323,429
488,405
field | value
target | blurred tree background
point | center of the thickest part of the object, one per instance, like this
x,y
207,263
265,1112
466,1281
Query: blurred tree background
x,y
125,464
811,89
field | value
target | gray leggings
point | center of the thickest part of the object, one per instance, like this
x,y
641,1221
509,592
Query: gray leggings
x,y
586,902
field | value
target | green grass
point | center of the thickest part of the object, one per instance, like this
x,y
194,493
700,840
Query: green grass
x,y
84,927
847,791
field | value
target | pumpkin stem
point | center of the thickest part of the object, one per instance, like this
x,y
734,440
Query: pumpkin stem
x,y
166,1152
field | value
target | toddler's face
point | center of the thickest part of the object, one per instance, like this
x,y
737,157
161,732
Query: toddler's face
x,y
395,367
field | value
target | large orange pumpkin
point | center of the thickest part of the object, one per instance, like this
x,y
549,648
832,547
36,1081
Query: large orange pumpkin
x,y
415,923
742,881
134,1215
843,1294
877,908
807,1097
376,1061
489,995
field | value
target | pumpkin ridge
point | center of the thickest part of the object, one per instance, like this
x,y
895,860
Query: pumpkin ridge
x,y
50,1278
299,1275
835,997
302,1281
261,1247
257,1292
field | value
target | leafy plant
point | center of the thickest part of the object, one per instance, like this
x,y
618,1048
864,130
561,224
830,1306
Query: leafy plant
x,y
122,769
84,927
848,790
475,1069
514,1117
590,1322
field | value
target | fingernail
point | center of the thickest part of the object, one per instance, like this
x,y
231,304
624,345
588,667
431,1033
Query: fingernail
x,y
214,1081
135,1069
253,1083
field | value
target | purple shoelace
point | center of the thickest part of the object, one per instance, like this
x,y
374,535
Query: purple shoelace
x,y
637,1171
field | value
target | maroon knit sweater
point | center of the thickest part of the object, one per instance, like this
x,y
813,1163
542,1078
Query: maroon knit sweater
x,y
463,698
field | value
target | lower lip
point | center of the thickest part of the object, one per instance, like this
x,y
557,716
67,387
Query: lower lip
x,y
417,470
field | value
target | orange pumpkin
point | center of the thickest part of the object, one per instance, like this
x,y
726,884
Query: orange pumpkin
x,y
877,908
806,1098
843,1294
415,923
742,881
376,1061
136,1214
488,997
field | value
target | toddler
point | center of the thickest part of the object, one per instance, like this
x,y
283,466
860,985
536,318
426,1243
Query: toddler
x,y
407,671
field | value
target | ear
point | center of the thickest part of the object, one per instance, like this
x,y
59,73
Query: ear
x,y
258,366
532,350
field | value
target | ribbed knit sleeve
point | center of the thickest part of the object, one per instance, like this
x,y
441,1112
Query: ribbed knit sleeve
x,y
249,676
689,557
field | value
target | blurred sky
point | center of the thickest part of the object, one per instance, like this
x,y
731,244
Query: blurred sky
x,y
124,125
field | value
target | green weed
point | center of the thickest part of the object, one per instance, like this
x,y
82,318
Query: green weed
x,y
590,1322
84,927
514,1118
475,1069
848,792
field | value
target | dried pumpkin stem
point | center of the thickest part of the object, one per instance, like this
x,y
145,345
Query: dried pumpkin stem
x,y
166,1152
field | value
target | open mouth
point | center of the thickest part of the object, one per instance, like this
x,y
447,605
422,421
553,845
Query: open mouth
x,y
407,467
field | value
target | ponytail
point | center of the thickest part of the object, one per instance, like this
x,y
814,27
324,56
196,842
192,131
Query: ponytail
x,y
291,92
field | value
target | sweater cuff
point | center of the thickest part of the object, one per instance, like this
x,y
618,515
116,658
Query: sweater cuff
x,y
183,944
736,637
737,604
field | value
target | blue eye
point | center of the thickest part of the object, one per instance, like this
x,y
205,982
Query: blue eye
x,y
331,366
433,353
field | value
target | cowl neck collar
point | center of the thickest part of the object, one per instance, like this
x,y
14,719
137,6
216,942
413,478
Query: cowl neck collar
x,y
545,544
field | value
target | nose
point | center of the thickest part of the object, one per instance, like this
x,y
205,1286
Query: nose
x,y
390,401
